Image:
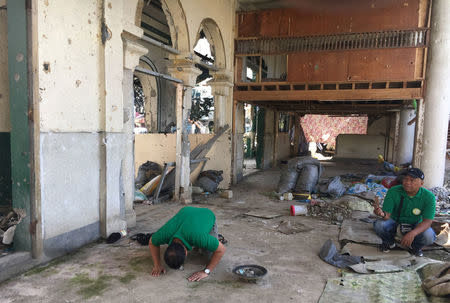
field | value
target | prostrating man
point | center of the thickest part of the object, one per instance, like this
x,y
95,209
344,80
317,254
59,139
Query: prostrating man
x,y
410,208
190,227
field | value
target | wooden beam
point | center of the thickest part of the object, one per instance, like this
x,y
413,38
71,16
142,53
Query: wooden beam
x,y
325,95
276,117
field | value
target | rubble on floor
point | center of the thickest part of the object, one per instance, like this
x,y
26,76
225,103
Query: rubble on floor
x,y
8,224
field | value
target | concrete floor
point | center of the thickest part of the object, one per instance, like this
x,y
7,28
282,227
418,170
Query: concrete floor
x,y
120,272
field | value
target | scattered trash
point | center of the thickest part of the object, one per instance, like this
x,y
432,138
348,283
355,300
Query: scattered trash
x,y
329,211
388,182
139,196
150,186
9,223
143,239
297,210
116,236
197,190
442,199
438,284
288,196
227,194
147,172
332,186
388,166
209,180
354,203
329,254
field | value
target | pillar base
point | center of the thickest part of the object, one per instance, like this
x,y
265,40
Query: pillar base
x,y
130,217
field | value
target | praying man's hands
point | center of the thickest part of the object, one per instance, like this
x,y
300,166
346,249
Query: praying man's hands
x,y
158,270
197,276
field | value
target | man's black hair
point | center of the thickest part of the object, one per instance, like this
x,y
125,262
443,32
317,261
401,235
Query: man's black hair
x,y
175,255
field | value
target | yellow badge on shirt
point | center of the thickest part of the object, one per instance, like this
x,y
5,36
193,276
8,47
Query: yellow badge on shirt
x,y
416,211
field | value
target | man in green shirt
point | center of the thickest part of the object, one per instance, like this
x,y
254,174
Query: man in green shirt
x,y
190,227
411,204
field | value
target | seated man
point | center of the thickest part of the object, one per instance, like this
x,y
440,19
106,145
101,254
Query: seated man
x,y
190,227
409,204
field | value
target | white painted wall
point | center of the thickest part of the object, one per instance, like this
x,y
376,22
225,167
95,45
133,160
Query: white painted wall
x,y
359,146
406,137
72,91
4,82
222,12
70,186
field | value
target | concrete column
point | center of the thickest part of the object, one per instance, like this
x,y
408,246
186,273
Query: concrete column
x,y
437,96
396,131
418,136
132,52
186,71
221,85
238,143
406,137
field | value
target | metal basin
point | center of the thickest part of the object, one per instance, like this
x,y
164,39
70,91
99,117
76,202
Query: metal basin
x,y
250,273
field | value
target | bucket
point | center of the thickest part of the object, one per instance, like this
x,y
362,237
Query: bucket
x,y
297,210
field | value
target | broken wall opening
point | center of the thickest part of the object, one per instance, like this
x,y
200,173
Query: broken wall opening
x,y
321,131
202,110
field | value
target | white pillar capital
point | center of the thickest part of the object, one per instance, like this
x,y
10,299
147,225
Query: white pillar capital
x,y
132,51
185,70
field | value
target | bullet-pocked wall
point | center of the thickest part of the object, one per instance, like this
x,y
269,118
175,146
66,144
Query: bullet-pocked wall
x,y
5,127
81,119
216,19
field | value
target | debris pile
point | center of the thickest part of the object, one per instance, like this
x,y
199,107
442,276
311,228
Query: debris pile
x,y
442,199
329,211
8,225
209,180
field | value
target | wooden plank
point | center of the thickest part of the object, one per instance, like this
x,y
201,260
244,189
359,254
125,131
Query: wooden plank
x,y
248,24
325,95
274,23
419,67
424,10
318,66
381,64
321,18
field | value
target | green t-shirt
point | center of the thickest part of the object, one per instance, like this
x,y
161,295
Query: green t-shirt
x,y
192,226
414,209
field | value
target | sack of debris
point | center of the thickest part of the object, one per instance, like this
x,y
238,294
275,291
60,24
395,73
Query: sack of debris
x,y
309,170
147,172
332,186
437,283
302,173
288,178
209,180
